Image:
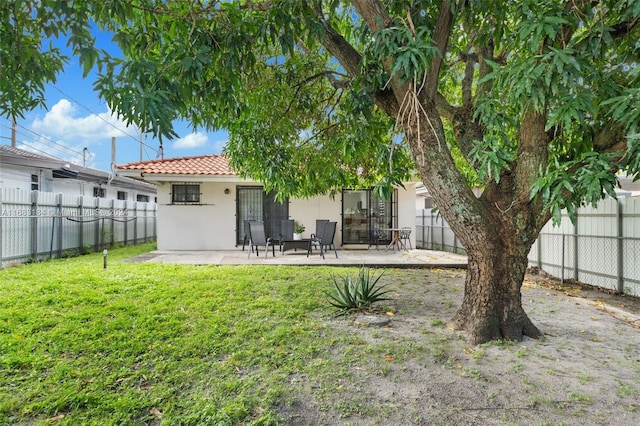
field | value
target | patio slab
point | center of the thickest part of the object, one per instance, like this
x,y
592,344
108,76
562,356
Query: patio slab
x,y
346,257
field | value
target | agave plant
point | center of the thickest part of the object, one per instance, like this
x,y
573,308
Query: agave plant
x,y
357,292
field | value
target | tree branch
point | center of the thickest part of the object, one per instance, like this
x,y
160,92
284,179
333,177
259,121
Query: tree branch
x,y
441,34
351,59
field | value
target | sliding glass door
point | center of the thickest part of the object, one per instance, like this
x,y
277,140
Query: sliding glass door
x,y
363,212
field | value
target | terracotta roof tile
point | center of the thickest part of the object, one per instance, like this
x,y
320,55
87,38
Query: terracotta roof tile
x,y
200,165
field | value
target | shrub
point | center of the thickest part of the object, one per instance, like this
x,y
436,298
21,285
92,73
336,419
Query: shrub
x,y
357,292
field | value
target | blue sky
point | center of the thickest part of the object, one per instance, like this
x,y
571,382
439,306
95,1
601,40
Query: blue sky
x,y
76,118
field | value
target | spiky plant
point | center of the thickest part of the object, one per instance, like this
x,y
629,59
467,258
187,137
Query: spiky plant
x,y
357,292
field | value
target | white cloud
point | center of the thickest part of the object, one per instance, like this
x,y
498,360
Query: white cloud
x,y
193,140
65,133
63,121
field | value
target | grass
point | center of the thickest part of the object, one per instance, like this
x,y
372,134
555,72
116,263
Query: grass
x,y
151,344
137,343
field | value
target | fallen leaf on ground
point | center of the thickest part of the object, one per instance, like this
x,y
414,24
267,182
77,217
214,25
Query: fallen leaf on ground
x,y
56,418
156,413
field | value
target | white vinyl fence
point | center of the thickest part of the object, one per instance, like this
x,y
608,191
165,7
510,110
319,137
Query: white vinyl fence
x,y
42,225
601,249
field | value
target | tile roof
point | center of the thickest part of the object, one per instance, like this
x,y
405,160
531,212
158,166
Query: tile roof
x,y
200,165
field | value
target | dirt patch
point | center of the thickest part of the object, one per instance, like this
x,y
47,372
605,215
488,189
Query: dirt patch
x,y
412,370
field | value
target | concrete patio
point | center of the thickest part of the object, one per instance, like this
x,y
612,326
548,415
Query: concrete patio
x,y
346,257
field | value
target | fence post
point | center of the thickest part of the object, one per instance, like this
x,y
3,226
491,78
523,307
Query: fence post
x,y
539,249
96,214
562,263
155,222
126,222
620,247
575,247
135,223
431,233
81,223
422,239
59,220
113,223
146,212
34,225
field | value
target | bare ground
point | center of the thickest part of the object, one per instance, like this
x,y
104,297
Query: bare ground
x,y
409,369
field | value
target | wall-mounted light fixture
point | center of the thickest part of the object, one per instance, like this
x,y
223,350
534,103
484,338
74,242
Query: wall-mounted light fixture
x,y
226,191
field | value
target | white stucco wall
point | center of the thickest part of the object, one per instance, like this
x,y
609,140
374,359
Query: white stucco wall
x,y
208,226
306,211
211,225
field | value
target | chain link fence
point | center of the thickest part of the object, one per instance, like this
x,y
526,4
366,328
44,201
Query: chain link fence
x,y
607,262
40,225
433,233
611,261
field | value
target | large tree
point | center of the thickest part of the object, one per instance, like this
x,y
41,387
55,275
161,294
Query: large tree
x,y
535,101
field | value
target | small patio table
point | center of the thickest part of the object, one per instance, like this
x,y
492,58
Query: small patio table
x,y
304,244
395,239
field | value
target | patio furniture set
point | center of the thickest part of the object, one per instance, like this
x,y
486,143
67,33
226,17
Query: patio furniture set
x,y
323,238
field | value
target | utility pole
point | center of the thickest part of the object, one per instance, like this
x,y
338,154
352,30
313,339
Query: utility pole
x,y
14,134
113,151
85,152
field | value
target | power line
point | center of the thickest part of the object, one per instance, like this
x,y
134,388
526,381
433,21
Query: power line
x,y
100,117
49,140
48,154
30,140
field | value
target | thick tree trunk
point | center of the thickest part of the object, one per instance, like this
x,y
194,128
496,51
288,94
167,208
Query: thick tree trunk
x,y
492,304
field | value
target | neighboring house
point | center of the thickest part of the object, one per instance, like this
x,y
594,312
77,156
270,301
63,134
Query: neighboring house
x,y
202,205
22,169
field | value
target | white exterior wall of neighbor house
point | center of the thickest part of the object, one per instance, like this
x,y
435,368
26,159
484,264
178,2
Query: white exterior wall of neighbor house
x,y
75,187
19,177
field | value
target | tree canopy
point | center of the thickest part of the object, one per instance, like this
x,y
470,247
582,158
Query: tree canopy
x,y
534,101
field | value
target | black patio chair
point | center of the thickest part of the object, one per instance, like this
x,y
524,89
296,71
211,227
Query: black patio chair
x,y
326,239
316,235
378,235
245,238
287,227
258,238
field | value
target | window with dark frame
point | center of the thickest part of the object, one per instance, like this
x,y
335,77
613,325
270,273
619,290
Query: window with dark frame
x,y
99,192
185,193
35,182
142,198
122,195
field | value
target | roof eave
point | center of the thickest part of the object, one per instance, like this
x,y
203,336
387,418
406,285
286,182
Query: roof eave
x,y
171,177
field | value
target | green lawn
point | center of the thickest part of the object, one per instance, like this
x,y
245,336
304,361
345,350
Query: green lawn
x,y
153,343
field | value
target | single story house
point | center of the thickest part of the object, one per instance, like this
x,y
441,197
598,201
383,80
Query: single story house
x,y
21,169
202,205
